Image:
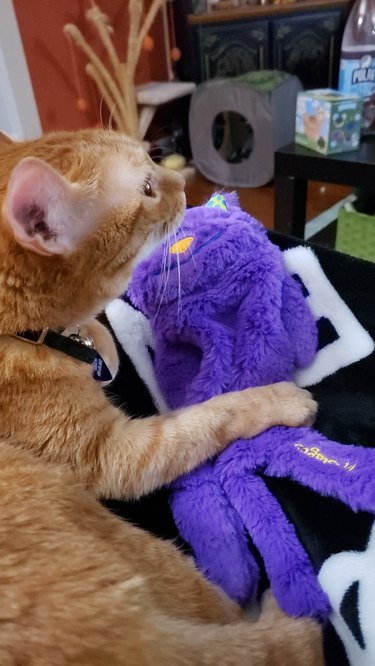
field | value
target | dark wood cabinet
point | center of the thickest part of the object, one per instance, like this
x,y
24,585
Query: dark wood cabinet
x,y
232,49
302,39
305,46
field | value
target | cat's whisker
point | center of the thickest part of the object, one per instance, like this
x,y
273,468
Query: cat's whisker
x,y
192,257
101,111
166,253
158,153
157,134
163,267
178,278
162,150
189,248
110,119
166,281
163,273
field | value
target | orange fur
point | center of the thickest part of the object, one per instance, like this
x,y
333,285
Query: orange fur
x,y
78,585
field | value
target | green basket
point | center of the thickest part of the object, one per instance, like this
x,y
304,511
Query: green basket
x,y
356,234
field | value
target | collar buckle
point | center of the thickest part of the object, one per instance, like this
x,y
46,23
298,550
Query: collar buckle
x,y
27,336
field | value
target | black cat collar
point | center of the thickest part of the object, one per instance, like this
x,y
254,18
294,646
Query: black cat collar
x,y
73,345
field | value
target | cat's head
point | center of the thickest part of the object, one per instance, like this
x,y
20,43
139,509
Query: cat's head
x,y
216,242
78,210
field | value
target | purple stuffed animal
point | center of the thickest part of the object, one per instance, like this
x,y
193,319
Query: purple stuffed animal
x,y
226,315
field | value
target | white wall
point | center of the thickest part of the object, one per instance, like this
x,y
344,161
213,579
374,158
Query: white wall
x,y
18,111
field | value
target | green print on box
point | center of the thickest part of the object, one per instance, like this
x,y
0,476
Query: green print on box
x,y
328,121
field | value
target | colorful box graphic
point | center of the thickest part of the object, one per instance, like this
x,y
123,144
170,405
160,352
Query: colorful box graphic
x,y
328,121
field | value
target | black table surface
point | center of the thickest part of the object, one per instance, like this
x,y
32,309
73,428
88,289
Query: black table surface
x,y
356,168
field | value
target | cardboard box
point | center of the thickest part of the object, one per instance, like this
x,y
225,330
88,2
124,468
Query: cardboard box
x,y
328,121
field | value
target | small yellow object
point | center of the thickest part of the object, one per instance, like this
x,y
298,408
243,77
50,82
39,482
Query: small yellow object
x,y
181,246
174,161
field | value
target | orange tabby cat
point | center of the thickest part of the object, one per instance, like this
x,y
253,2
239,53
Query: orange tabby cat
x,y
77,585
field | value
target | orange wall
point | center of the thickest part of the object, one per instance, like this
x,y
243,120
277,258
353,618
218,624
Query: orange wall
x,y
51,64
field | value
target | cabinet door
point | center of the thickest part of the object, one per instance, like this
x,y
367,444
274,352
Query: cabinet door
x,y
233,49
305,45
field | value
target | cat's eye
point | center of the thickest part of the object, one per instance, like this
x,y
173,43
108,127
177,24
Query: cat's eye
x,y
147,189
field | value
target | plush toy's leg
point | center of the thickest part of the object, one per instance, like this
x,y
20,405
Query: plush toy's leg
x,y
291,574
345,472
211,526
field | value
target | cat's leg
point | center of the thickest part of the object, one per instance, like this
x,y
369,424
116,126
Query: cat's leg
x,y
215,532
274,639
63,543
63,415
146,637
174,580
120,457
83,587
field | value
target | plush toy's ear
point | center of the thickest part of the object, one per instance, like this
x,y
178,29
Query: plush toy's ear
x,y
45,212
232,200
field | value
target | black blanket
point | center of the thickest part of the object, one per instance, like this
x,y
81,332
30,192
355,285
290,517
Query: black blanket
x,y
328,530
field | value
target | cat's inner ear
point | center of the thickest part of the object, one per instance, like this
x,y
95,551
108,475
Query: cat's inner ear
x,y
47,213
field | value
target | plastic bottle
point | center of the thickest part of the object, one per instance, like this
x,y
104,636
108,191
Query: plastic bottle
x,y
357,63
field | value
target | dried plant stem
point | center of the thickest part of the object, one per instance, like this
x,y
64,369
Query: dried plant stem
x,y
135,18
118,88
98,19
73,32
145,118
149,19
110,102
129,96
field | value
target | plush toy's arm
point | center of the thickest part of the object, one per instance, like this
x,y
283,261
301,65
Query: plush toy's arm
x,y
299,323
262,349
215,532
193,365
329,468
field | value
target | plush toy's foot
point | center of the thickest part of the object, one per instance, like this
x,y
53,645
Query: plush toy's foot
x,y
215,532
292,577
299,594
242,587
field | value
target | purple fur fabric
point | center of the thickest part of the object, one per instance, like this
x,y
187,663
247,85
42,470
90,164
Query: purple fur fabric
x,y
226,315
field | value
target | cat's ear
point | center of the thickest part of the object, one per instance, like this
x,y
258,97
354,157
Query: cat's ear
x,y
44,211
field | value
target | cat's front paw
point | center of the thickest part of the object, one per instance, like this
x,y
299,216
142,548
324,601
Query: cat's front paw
x,y
246,413
291,405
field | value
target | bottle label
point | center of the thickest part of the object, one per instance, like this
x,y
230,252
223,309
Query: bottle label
x,y
357,75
